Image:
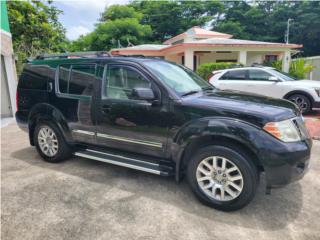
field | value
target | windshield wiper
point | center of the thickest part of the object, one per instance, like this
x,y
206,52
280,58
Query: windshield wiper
x,y
208,88
189,93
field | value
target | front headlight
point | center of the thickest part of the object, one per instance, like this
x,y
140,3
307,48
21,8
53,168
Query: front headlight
x,y
285,130
317,91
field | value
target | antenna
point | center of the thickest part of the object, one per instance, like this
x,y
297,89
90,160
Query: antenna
x,y
287,33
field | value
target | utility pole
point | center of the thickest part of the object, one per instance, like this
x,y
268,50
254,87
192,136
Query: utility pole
x,y
286,36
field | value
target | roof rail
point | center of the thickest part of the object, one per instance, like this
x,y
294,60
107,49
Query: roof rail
x,y
74,55
134,55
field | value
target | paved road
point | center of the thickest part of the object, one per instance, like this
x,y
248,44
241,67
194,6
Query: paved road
x,y
82,199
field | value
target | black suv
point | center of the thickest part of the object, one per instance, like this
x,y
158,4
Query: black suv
x,y
159,117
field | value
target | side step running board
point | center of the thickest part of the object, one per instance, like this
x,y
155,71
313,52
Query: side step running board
x,y
142,164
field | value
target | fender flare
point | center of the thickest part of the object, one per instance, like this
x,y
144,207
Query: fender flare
x,y
234,130
47,112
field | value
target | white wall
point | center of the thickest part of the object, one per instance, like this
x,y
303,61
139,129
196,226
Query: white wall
x,y
214,56
255,57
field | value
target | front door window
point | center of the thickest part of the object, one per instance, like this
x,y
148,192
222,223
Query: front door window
x,y
121,81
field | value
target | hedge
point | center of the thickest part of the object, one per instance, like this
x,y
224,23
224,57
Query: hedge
x,y
205,70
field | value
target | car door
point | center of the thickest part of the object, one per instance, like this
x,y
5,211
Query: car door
x,y
263,83
74,99
233,80
127,123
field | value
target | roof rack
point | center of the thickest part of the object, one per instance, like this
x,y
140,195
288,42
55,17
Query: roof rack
x,y
134,55
74,55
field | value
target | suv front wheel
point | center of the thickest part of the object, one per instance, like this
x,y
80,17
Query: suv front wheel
x,y
222,177
302,102
50,143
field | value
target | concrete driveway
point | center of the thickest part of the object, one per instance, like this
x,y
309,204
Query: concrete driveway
x,y
83,199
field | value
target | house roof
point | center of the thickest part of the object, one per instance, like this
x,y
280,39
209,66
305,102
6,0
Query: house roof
x,y
198,37
211,42
197,32
232,41
151,47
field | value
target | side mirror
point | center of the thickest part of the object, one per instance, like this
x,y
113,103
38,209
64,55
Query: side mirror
x,y
274,79
143,94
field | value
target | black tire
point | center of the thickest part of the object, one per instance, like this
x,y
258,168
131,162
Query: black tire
x,y
63,152
302,101
239,158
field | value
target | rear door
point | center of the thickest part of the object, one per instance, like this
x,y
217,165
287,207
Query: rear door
x,y
236,80
74,98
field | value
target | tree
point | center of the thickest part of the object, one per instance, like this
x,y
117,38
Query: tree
x,y
119,25
170,18
35,29
267,21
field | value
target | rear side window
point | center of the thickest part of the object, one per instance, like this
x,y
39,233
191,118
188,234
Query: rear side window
x,y
64,78
76,79
259,75
34,77
235,75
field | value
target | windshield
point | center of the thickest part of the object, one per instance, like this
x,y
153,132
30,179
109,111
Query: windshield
x,y
283,75
178,77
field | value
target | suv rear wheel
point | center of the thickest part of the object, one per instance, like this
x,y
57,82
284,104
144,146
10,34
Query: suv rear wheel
x,y
222,177
50,143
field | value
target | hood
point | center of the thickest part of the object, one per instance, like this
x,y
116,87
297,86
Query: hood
x,y
305,83
256,109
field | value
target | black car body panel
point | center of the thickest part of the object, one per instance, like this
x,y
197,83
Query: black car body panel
x,y
165,127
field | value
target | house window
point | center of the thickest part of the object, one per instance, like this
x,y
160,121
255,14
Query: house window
x,y
269,59
226,60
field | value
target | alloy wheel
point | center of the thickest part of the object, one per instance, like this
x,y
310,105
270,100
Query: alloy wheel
x,y
219,178
48,142
300,102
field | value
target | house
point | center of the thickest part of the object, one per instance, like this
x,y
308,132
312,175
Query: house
x,y
8,70
197,46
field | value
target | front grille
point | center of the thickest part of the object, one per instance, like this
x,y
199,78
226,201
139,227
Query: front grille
x,y
301,127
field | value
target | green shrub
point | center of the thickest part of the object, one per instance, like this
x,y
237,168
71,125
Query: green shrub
x,y
205,70
298,68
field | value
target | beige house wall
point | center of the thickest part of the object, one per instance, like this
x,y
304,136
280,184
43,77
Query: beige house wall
x,y
8,76
223,54
214,56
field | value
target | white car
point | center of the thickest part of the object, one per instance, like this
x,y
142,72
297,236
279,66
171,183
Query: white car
x,y
269,82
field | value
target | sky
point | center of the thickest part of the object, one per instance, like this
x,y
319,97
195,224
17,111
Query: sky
x,y
79,16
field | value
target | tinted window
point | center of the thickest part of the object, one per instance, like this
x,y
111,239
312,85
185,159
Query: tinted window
x,y
64,78
76,79
34,77
81,79
235,75
121,81
259,75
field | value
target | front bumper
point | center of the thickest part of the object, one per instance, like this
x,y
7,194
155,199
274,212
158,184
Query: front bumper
x,y
288,163
316,105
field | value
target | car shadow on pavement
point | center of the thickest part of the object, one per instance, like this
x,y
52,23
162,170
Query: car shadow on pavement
x,y
265,212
